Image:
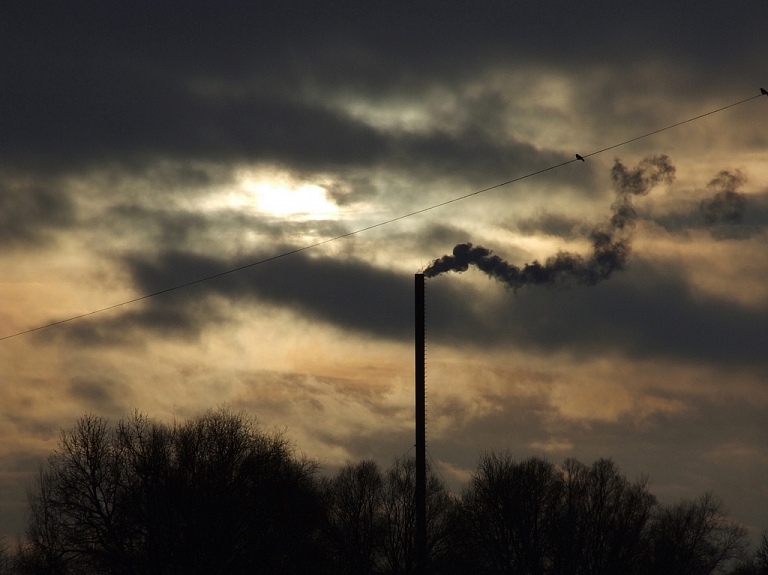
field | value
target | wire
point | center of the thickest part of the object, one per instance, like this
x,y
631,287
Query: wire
x,y
674,125
437,467
371,227
398,460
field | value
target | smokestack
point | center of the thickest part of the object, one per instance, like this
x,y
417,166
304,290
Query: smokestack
x,y
421,429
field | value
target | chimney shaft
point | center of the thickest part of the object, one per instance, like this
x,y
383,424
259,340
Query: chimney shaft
x,y
421,438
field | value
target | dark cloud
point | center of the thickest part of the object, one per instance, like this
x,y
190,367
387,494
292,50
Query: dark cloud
x,y
84,83
351,191
169,227
351,294
28,213
32,426
557,225
171,318
102,395
646,312
396,36
303,136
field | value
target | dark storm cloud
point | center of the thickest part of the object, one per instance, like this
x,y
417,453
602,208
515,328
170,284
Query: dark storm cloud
x,y
351,294
256,128
88,82
100,394
29,212
646,312
351,190
185,125
557,225
170,228
170,318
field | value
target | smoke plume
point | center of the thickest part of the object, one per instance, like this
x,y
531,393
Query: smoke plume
x,y
610,240
727,205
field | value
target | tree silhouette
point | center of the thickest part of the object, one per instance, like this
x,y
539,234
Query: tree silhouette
x,y
761,555
505,516
695,538
211,495
400,518
757,562
600,523
5,558
372,519
532,517
355,499
215,494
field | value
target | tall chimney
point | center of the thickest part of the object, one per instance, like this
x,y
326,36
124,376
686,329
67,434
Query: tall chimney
x,y
421,437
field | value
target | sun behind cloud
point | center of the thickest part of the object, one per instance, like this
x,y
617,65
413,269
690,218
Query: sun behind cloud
x,y
304,202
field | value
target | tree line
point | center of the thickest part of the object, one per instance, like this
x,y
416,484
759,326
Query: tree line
x,y
218,495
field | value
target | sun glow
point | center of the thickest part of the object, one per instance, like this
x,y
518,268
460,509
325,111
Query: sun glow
x,y
305,202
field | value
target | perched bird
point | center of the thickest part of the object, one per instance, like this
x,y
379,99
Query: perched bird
x,y
578,157
764,92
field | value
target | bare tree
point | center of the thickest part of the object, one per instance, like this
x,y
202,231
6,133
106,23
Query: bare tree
x,y
695,538
211,495
356,518
535,518
761,555
503,523
5,559
77,513
601,521
400,517
757,562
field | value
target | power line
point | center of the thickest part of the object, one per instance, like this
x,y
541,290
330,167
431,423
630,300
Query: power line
x,y
398,460
762,93
437,467
377,225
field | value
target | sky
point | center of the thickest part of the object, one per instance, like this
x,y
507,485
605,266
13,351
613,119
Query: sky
x,y
147,145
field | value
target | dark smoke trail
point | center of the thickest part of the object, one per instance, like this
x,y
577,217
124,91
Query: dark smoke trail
x,y
609,251
727,205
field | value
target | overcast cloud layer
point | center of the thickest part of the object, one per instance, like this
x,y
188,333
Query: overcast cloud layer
x,y
147,146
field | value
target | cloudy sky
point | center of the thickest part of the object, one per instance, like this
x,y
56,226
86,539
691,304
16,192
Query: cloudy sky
x,y
143,146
